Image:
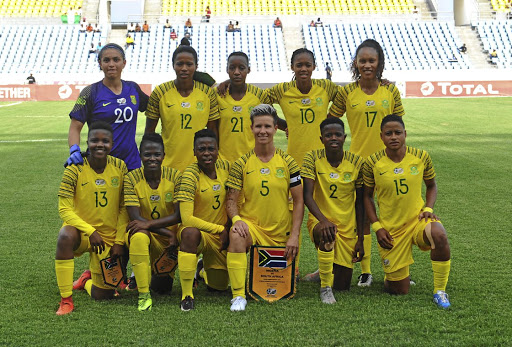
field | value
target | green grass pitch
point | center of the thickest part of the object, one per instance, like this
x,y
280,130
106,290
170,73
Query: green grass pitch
x,y
470,141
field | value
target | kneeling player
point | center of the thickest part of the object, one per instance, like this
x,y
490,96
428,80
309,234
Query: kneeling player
x,y
204,227
150,199
91,206
333,194
396,173
264,176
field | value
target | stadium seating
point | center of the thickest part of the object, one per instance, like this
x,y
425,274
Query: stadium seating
x,y
47,49
407,45
36,8
262,43
500,5
497,35
285,7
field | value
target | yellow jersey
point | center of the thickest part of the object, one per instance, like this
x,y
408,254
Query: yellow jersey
x,y
235,135
208,195
265,188
303,113
335,188
365,113
398,186
181,117
97,198
153,203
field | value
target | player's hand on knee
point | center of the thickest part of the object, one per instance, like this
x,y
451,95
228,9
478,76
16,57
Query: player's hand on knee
x,y
427,215
358,251
241,228
136,225
75,156
116,252
97,243
384,238
328,231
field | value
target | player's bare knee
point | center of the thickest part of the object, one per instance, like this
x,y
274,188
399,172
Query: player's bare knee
x,y
190,239
101,294
439,235
68,239
237,243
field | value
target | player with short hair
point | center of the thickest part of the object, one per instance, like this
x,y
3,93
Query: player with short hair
x,y
366,102
396,174
205,225
185,106
150,199
333,193
265,177
114,101
235,136
92,208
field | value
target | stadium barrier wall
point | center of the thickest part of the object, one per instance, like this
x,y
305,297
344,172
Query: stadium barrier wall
x,y
34,92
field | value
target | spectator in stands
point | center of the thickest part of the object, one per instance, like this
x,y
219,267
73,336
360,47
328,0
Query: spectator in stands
x,y
167,25
278,23
131,28
208,14
89,28
83,25
493,55
463,48
31,79
319,23
96,28
312,24
98,47
137,28
188,23
129,41
328,71
230,28
92,50
237,26
174,36
145,27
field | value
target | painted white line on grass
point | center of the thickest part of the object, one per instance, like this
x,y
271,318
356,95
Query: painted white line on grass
x,y
19,116
24,141
16,103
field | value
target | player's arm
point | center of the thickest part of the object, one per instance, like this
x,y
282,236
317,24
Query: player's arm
x,y
189,220
383,237
75,128
138,223
213,125
431,197
150,125
360,216
292,245
239,226
328,229
338,106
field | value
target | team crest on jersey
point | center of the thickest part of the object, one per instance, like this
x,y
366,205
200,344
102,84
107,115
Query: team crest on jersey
x,y
200,105
414,170
334,175
370,103
237,108
386,262
154,198
121,101
100,182
398,170
133,99
185,104
216,187
347,177
319,101
265,171
385,103
280,172
306,101
168,197
115,182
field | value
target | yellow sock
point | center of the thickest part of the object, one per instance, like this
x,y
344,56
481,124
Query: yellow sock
x,y
64,273
139,257
441,271
325,261
88,287
365,263
187,263
237,268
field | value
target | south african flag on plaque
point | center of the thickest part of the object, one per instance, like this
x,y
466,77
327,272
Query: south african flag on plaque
x,y
271,275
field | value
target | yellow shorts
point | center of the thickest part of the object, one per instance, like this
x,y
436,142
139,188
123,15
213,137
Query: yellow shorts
x,y
343,248
209,246
395,260
157,244
94,261
259,237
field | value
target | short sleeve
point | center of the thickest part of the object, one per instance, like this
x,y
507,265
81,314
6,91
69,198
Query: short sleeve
x,y
153,108
188,185
143,98
130,195
214,106
429,172
338,106
368,177
359,181
83,106
399,109
308,169
236,175
177,183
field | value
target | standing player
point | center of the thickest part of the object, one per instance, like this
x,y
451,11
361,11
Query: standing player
x,y
114,101
91,206
185,107
333,193
235,136
204,226
366,102
265,177
150,199
396,174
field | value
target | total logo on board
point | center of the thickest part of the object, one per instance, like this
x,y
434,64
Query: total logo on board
x,y
458,88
